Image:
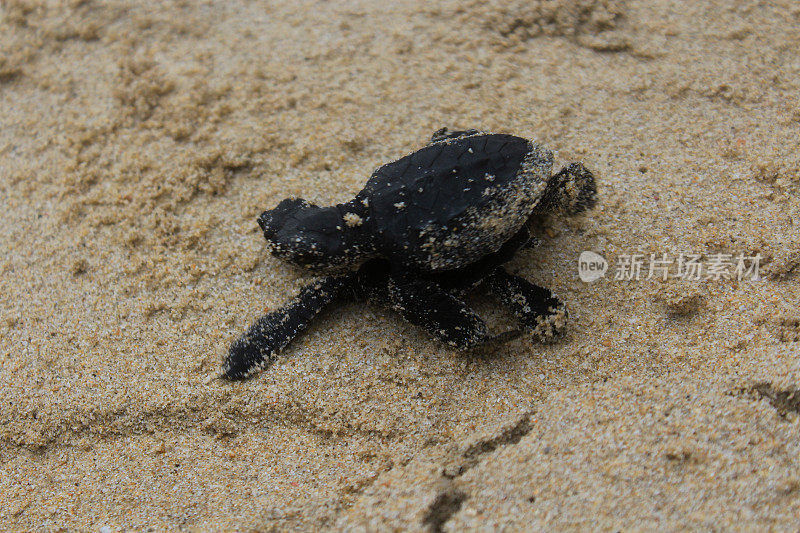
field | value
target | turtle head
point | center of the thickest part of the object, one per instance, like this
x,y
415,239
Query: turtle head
x,y
572,190
310,236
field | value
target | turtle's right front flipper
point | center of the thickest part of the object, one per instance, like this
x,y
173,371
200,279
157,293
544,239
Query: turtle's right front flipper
x,y
257,347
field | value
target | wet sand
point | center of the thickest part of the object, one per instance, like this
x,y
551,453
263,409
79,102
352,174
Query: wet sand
x,y
139,142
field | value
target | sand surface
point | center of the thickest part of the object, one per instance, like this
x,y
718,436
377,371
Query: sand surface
x,y
139,141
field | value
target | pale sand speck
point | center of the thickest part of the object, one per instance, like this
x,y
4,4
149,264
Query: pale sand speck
x,y
352,220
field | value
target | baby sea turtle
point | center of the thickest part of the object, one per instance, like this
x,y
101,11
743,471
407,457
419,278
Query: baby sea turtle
x,y
425,229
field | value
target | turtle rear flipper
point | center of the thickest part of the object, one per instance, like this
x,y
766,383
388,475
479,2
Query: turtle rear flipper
x,y
572,190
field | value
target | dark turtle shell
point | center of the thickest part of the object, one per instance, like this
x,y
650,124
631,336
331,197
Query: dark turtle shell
x,y
456,200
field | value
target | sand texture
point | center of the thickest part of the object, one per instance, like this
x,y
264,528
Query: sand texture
x,y
140,140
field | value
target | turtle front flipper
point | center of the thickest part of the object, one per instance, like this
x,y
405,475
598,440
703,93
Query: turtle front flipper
x,y
426,304
258,346
537,308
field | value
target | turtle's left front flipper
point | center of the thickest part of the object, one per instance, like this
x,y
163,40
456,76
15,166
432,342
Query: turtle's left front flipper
x,y
257,347
537,308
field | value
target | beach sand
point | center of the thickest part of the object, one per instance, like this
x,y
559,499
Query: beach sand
x,y
139,141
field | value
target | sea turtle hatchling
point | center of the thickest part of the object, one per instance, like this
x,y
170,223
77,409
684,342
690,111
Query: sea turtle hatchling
x,y
425,230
